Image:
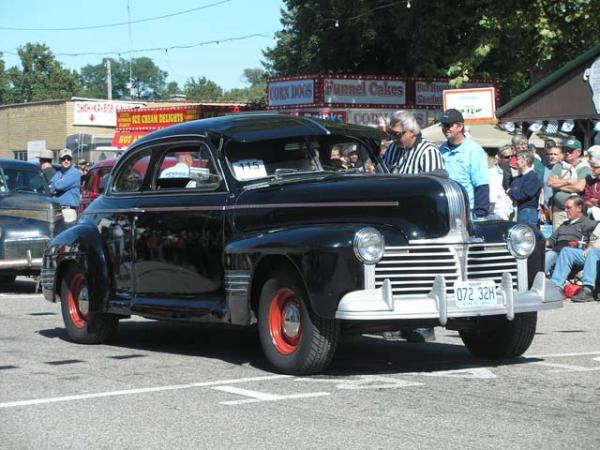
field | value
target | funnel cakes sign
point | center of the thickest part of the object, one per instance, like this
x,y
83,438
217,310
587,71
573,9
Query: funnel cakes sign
x,y
364,91
348,91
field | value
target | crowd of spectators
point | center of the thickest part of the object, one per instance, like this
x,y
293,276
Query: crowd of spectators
x,y
556,190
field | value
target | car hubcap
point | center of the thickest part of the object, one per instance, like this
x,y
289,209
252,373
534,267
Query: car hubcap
x,y
78,300
285,321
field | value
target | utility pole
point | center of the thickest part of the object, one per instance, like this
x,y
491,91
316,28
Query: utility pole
x,y
108,80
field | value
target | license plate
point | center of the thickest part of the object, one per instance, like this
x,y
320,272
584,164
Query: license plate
x,y
468,294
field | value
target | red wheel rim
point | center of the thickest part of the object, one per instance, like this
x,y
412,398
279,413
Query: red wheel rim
x,y
285,321
77,287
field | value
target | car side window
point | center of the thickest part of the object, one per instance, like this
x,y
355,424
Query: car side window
x,y
187,167
131,176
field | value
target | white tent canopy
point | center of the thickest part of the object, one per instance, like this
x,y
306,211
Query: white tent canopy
x,y
488,135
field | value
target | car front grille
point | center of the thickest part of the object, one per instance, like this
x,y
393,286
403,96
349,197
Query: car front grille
x,y
412,269
17,248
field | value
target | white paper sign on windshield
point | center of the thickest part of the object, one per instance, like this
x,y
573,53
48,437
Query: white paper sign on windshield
x,y
249,169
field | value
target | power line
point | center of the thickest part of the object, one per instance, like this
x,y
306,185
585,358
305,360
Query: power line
x,y
156,49
118,24
337,20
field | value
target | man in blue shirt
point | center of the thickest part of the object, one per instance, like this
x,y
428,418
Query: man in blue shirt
x,y
466,162
65,185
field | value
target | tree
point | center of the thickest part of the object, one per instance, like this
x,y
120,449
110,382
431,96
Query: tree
x,y
202,90
4,84
254,93
512,41
41,76
172,90
147,80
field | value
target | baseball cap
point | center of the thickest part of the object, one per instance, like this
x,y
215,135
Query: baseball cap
x,y
65,152
571,143
452,116
82,162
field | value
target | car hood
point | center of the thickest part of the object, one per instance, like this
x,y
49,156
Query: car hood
x,y
28,206
415,205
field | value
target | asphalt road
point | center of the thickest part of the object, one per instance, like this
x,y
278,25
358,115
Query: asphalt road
x,y
161,385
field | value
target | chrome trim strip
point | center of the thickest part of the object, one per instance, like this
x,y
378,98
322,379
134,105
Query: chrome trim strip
x,y
27,263
522,275
369,274
249,206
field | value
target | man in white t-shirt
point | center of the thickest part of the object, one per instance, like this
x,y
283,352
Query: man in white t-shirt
x,y
181,169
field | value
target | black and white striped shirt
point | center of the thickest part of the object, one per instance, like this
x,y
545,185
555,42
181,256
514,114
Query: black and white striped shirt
x,y
422,157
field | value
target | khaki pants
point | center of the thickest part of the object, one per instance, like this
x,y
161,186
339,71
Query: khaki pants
x,y
559,216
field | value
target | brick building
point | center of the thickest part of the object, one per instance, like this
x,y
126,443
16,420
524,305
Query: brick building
x,y
86,126
49,123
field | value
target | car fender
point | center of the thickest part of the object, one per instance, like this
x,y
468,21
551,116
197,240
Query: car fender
x,y
82,244
322,256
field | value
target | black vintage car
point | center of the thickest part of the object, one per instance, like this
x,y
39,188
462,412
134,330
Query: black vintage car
x,y
29,219
245,220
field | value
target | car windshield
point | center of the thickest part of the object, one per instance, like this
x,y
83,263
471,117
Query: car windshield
x,y
281,158
22,180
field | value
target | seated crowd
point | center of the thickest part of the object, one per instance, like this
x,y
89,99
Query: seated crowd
x,y
558,192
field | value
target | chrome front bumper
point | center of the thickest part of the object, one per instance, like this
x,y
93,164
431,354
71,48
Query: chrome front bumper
x,y
22,263
379,304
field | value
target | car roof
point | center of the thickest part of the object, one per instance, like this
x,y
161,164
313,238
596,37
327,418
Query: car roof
x,y
18,164
105,163
252,127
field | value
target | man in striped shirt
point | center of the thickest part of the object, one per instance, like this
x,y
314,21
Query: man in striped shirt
x,y
409,152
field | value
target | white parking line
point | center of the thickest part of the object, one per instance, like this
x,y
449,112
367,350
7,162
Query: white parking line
x,y
364,382
256,396
561,355
567,367
69,398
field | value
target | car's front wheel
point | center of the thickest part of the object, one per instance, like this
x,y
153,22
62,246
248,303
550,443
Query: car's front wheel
x,y
83,326
498,337
294,339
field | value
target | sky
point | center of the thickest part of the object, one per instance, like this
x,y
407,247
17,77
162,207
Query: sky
x,y
209,21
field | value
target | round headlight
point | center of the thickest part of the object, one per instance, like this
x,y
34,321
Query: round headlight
x,y
521,241
369,245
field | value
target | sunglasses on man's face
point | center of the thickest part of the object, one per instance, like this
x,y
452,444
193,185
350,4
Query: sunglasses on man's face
x,y
66,158
447,125
395,134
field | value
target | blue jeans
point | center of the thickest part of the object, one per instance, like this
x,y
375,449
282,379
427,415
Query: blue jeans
x,y
551,257
570,258
528,216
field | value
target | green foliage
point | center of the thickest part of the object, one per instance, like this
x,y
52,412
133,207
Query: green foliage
x,y
40,77
202,90
512,41
147,80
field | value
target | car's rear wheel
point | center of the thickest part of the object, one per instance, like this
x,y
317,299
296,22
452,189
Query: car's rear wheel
x,y
83,326
294,339
498,337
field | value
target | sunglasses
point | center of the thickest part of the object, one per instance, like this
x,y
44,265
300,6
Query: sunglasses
x,y
395,134
506,156
65,158
448,125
